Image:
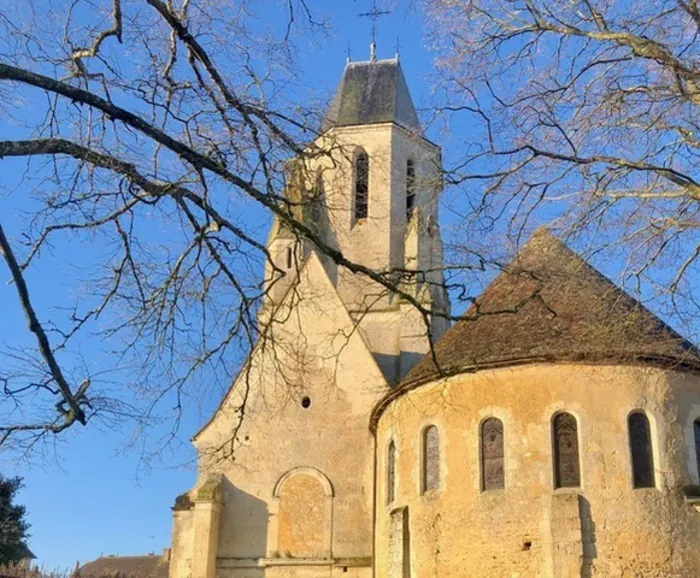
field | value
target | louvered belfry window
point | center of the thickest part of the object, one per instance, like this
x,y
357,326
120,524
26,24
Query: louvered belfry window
x,y
361,185
567,472
640,446
492,472
431,459
391,473
410,188
315,204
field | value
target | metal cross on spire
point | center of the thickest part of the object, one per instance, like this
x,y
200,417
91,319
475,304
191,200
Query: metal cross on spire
x,y
374,15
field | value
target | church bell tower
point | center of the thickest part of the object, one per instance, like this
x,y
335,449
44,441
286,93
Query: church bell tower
x,y
273,499
369,186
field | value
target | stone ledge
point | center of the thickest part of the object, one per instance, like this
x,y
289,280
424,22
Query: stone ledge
x,y
363,562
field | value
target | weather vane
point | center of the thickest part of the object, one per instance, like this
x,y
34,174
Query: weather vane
x,y
374,15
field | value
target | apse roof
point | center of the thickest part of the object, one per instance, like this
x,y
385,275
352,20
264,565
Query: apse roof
x,y
551,305
372,92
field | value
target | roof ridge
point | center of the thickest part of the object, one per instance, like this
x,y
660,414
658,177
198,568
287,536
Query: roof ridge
x,y
563,309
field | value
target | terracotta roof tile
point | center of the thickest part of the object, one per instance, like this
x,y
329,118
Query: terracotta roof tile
x,y
550,305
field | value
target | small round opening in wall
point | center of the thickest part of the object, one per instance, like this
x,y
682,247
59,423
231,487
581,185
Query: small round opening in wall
x,y
306,402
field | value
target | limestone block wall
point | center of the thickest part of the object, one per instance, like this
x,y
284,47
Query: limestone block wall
x,y
377,241
605,527
182,544
295,494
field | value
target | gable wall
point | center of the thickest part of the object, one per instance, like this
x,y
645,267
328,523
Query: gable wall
x,y
315,352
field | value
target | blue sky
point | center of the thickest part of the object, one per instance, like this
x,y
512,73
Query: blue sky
x,y
93,493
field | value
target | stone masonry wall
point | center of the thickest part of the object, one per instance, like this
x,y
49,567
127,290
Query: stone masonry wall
x,y
605,528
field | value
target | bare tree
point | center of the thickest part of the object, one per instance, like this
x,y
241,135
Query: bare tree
x,y
134,140
144,136
152,139
584,116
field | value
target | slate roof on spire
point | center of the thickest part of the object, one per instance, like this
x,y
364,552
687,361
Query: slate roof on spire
x,y
372,92
561,309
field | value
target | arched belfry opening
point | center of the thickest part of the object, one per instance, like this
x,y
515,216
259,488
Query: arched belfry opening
x,y
361,185
410,188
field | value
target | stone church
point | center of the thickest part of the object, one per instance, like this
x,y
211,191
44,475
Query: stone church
x,y
553,432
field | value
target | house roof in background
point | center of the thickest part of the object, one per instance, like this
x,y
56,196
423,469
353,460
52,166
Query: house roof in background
x,y
149,566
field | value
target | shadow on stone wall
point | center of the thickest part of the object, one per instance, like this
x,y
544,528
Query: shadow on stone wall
x,y
588,538
249,515
395,367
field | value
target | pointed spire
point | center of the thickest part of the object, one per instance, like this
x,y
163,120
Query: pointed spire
x,y
372,92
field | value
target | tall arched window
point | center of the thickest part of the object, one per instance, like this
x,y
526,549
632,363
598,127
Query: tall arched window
x,y
361,185
431,459
696,432
492,475
567,473
410,188
640,446
391,473
315,204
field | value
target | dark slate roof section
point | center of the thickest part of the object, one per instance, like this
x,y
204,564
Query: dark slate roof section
x,y
151,566
550,305
372,92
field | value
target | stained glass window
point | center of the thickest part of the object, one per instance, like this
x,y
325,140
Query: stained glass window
x,y
431,459
492,474
640,446
567,471
391,473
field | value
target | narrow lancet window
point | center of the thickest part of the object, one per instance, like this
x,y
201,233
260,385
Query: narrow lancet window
x,y
314,205
391,473
410,188
567,473
431,459
640,446
492,475
361,185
